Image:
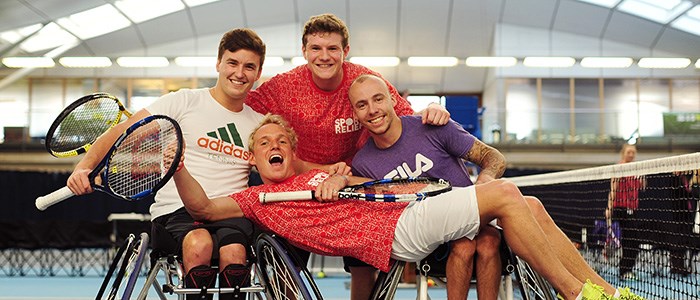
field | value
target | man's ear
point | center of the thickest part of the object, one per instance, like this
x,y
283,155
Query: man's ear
x,y
251,160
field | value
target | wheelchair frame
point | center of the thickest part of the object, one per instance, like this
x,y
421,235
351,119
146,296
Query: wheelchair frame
x,y
274,273
531,284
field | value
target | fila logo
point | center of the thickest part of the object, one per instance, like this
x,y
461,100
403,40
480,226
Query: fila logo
x,y
423,164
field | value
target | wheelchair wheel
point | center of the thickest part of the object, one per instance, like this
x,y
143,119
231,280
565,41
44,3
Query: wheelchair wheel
x,y
281,276
113,266
532,285
385,287
136,259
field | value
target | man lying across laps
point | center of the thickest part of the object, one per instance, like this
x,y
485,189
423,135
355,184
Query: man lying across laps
x,y
376,232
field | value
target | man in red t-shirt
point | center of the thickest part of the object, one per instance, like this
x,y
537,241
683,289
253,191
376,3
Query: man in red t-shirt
x,y
313,98
371,231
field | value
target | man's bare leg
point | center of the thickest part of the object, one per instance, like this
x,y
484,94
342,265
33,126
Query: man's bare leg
x,y
361,282
488,262
500,199
567,253
460,264
196,249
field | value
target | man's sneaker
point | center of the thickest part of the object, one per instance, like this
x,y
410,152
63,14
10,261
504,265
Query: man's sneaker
x,y
626,294
592,291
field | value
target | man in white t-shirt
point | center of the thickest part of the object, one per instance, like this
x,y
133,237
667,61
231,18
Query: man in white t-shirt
x,y
216,124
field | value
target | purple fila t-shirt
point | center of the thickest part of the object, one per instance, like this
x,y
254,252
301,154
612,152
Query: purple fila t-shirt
x,y
422,150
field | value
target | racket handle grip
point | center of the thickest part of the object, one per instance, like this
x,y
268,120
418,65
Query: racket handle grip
x,y
59,195
286,196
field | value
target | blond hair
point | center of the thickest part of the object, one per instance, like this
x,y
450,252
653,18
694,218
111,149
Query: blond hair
x,y
274,119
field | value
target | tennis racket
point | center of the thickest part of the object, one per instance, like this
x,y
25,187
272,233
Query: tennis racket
x,y
384,190
82,122
139,163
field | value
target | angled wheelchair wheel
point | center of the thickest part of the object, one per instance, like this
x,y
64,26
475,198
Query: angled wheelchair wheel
x,y
532,285
133,268
385,287
282,279
118,258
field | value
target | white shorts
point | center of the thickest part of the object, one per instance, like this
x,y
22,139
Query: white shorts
x,y
425,225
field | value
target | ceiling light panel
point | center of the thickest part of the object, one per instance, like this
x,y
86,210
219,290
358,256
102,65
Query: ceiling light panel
x,y
376,61
661,11
273,61
490,61
28,62
298,60
432,61
663,63
93,22
142,62
85,62
196,61
606,62
549,62
139,10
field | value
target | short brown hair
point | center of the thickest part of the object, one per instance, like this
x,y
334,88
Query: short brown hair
x,y
326,23
242,38
274,119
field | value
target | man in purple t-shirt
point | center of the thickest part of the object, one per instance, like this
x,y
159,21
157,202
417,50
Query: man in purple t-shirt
x,y
398,148
403,147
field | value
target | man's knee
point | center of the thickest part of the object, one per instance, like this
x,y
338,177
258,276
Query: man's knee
x,y
537,209
197,241
488,242
463,249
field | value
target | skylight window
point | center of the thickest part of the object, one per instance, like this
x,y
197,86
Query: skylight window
x,y
661,11
193,3
93,22
690,22
14,36
604,3
139,11
49,37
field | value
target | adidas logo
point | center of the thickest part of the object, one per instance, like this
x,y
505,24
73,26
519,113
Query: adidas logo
x,y
224,140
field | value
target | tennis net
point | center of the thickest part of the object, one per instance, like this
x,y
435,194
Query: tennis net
x,y
651,242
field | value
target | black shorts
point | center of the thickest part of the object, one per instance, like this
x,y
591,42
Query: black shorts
x,y
169,231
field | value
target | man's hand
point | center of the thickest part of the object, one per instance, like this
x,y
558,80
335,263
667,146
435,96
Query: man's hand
x,y
79,183
328,189
169,155
340,168
435,114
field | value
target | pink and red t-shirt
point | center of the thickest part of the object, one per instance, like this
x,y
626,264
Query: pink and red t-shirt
x,y
361,229
328,132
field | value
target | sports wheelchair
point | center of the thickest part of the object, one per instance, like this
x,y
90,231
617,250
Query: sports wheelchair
x,y
274,273
532,285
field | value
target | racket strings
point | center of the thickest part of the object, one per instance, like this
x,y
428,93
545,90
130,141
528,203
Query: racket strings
x,y
394,188
84,124
137,163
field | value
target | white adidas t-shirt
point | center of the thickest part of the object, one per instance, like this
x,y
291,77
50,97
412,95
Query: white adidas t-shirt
x,y
216,139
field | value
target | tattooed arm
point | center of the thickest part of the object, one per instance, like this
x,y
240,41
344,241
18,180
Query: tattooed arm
x,y
489,159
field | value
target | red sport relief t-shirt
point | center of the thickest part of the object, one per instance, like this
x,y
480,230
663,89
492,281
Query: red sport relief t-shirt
x,y
327,131
362,229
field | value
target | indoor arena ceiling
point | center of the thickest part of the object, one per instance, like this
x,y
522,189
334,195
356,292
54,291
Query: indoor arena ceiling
x,y
400,28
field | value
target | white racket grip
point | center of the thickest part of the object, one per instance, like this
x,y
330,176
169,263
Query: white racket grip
x,y
286,196
59,195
